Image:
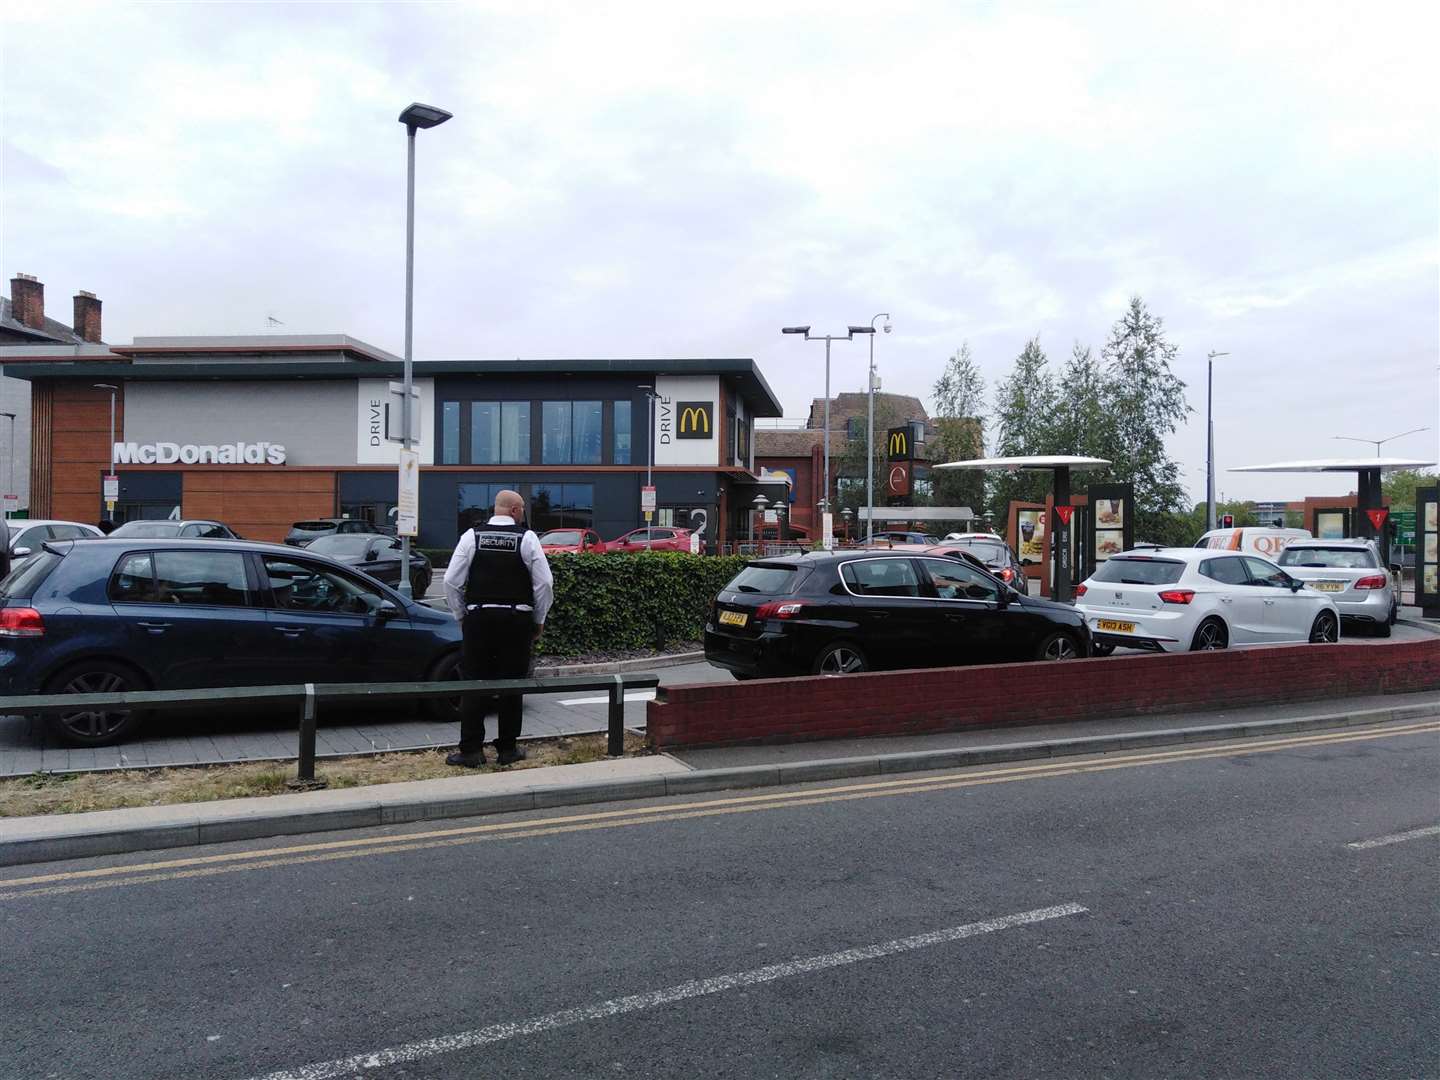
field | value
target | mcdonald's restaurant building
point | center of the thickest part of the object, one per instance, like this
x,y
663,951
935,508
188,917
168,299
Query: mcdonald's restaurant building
x,y
260,432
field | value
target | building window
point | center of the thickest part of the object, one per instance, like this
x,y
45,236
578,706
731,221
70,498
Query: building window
x,y
562,506
515,433
855,427
485,433
622,433
742,434
450,433
732,445
477,503
571,433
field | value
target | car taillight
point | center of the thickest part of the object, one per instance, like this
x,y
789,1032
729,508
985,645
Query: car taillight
x,y
1177,596
778,609
1374,581
1080,590
21,622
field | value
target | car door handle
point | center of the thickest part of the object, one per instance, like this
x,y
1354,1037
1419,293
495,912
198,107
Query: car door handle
x,y
291,631
1225,600
954,616
155,627
1269,602
879,614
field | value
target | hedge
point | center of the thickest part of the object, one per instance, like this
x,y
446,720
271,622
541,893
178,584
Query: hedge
x,y
624,601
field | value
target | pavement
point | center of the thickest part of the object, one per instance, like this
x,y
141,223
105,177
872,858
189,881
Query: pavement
x,y
68,836
1263,908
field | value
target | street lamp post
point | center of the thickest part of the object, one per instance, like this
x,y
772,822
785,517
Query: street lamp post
x,y
416,116
110,511
10,483
649,392
1210,439
760,502
851,331
870,435
1377,443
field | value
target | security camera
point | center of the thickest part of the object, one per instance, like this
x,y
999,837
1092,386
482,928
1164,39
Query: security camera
x,y
887,328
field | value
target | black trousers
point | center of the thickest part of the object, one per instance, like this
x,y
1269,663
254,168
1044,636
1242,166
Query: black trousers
x,y
497,646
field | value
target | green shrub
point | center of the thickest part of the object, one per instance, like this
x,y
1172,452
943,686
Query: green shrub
x,y
632,601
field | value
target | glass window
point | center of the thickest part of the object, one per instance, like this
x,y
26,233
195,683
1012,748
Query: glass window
x,y
1334,558
555,418
485,432
477,503
1139,570
1227,571
622,433
31,538
956,581
882,577
134,581
69,532
515,433
766,579
562,506
28,575
215,578
1266,573
855,427
588,434
450,433
300,586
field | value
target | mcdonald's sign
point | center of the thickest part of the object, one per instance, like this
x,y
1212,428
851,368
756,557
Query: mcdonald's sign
x,y
898,445
695,419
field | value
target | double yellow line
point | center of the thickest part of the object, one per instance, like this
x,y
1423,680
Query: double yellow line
x,y
71,881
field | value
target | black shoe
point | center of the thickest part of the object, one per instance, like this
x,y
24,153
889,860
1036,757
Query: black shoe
x,y
469,761
509,757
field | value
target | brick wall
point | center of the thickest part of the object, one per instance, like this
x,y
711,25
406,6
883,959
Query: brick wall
x,y
951,699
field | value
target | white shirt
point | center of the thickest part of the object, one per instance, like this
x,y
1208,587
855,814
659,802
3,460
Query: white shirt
x,y
458,572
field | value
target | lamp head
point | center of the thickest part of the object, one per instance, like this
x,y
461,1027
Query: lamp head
x,y
423,116
861,329
794,330
887,326
104,386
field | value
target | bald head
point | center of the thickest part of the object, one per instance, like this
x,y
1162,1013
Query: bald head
x,y
509,504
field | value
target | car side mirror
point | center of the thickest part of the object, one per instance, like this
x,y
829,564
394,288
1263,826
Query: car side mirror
x,y
21,552
1296,586
388,609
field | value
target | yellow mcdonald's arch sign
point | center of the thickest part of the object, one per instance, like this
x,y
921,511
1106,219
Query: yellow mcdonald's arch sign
x,y
694,419
899,444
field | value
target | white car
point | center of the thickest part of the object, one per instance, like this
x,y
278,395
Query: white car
x,y
1174,599
1351,572
27,535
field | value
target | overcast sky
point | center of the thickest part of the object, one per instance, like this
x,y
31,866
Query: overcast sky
x,y
622,181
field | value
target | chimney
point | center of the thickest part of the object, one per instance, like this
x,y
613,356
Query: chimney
x,y
27,298
87,316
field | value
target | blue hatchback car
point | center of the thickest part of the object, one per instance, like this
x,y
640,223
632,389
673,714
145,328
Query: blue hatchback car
x,y
131,613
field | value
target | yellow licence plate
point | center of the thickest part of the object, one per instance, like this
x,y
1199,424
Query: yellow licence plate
x,y
1112,626
1330,586
734,618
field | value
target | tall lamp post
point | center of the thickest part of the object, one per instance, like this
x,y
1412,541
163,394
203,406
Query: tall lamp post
x,y
649,392
851,331
760,502
414,117
1210,439
10,483
110,510
1377,443
870,435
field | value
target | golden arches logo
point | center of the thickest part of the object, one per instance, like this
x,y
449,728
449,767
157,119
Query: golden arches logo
x,y
694,422
899,444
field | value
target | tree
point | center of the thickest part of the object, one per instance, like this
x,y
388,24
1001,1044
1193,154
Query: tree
x,y
1147,403
1399,486
1023,403
1082,421
959,422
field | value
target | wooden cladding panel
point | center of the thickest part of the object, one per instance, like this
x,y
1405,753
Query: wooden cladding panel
x,y
42,407
72,450
258,505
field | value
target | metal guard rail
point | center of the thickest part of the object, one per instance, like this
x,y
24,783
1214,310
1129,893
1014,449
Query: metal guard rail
x,y
308,696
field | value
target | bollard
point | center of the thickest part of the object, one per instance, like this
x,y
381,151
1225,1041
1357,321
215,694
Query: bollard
x,y
305,779
616,745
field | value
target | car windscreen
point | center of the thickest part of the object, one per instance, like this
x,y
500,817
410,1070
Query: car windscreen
x,y
990,551
773,578
351,544
1137,571
148,530
561,538
1333,558
21,582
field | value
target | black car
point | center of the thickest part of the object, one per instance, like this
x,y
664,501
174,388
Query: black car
x,y
112,615
994,553
303,532
837,613
141,529
376,555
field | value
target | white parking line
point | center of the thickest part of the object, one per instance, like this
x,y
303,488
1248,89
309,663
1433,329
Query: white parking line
x,y
1397,838
630,695
468,1040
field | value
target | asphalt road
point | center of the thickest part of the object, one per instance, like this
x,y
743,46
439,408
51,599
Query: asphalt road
x,y
1194,912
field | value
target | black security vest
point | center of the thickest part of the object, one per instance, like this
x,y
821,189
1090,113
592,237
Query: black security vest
x,y
498,575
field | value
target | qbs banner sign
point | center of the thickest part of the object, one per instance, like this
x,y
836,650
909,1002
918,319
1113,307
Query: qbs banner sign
x,y
169,453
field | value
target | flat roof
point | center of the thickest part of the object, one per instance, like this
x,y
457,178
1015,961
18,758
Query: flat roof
x,y
1337,465
917,513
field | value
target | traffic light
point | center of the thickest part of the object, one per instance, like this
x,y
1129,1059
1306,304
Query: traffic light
x,y
1227,521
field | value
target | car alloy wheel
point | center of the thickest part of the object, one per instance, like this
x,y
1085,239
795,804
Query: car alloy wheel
x,y
1210,636
840,660
1060,647
95,727
1326,630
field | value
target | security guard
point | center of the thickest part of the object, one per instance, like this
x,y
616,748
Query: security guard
x,y
499,588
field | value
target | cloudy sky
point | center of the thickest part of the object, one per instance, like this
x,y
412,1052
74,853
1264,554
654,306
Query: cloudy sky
x,y
623,180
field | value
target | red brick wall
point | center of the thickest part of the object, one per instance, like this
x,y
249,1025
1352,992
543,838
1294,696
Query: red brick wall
x,y
951,699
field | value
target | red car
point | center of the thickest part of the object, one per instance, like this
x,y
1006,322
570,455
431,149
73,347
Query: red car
x,y
660,538
573,541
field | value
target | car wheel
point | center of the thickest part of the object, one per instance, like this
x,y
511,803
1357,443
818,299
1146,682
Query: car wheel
x,y
419,585
1101,648
96,727
1058,646
1325,629
744,676
448,668
1381,629
1210,635
1394,613
841,658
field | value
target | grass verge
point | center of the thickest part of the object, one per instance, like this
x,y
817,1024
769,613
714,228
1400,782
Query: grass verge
x,y
74,793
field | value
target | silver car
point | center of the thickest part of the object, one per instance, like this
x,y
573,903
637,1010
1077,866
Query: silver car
x,y
1350,573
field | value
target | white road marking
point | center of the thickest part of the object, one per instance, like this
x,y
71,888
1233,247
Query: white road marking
x,y
630,695
1397,838
468,1040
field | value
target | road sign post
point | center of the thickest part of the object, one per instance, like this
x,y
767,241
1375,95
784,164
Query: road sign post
x,y
407,505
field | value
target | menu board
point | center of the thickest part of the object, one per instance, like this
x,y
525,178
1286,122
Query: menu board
x,y
1109,522
1427,550
1032,535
